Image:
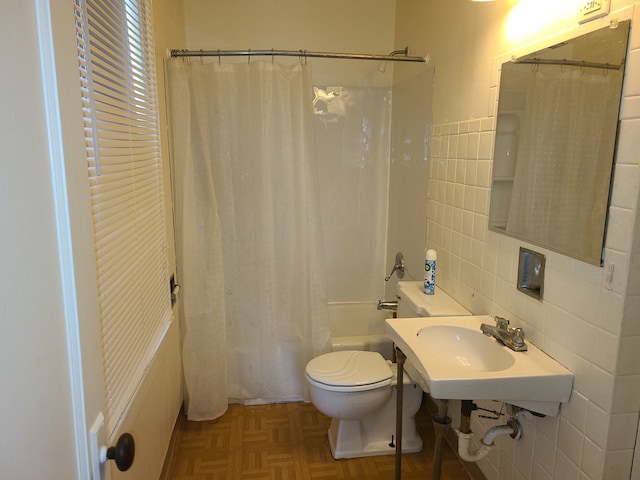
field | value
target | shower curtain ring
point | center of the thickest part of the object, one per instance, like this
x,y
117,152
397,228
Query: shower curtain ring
x,y
219,58
272,57
248,56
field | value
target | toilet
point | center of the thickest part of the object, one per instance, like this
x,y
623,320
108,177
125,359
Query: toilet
x,y
357,388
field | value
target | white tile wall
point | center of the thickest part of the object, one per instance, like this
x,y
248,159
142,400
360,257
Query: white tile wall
x,y
591,328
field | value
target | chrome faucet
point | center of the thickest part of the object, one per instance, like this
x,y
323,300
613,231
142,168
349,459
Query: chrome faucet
x,y
388,305
511,337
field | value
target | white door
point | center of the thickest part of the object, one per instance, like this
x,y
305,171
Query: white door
x,y
63,107
51,376
51,392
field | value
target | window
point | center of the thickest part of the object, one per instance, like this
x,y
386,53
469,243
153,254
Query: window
x,y
118,85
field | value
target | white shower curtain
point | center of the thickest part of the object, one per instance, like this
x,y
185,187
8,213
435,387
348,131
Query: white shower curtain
x,y
254,306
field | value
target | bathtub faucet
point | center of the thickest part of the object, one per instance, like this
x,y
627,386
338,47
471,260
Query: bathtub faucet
x,y
398,267
392,305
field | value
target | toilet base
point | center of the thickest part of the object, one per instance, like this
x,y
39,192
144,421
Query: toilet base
x,y
375,434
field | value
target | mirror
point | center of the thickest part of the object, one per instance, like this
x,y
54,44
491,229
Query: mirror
x,y
555,139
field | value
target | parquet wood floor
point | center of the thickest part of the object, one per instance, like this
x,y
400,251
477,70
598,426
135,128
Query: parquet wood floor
x,y
287,441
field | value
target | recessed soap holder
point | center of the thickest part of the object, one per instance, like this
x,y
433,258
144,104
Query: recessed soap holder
x,y
531,273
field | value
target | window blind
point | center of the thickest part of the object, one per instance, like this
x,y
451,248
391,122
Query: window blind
x,y
118,85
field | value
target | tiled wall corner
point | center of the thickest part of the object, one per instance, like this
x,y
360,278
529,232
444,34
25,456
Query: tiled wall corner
x,y
579,321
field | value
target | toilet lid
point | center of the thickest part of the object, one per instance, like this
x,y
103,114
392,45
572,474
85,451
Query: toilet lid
x,y
349,370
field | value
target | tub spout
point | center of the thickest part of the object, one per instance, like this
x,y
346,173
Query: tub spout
x,y
390,305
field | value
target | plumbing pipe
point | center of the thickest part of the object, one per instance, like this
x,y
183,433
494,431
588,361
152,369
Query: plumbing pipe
x,y
466,408
512,428
464,439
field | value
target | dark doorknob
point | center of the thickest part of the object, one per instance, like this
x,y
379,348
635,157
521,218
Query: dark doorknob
x,y
123,453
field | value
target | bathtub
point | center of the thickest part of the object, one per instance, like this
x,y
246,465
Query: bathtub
x,y
359,326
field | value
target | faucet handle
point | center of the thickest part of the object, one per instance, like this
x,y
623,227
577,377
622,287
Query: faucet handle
x,y
502,323
518,337
398,267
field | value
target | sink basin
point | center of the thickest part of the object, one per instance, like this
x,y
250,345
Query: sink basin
x,y
465,347
454,360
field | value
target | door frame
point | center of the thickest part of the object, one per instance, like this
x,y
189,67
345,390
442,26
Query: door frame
x,y
74,226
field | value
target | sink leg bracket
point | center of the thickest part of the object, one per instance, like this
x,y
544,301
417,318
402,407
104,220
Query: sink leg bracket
x,y
441,423
400,359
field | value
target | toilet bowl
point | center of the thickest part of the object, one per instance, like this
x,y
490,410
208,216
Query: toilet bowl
x,y
356,389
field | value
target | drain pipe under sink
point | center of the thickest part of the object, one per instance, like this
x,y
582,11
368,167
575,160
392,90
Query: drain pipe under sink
x,y
512,428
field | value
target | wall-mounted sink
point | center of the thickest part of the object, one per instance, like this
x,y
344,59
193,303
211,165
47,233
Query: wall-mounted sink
x,y
456,361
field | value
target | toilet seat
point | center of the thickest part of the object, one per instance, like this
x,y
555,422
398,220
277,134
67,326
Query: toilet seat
x,y
349,371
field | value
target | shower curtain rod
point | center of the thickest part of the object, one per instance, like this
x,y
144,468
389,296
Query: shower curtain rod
x,y
572,63
392,57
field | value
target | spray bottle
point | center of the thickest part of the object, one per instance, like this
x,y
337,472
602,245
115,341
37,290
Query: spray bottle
x,y
430,272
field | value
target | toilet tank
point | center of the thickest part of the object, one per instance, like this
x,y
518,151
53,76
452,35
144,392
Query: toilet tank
x,y
412,302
